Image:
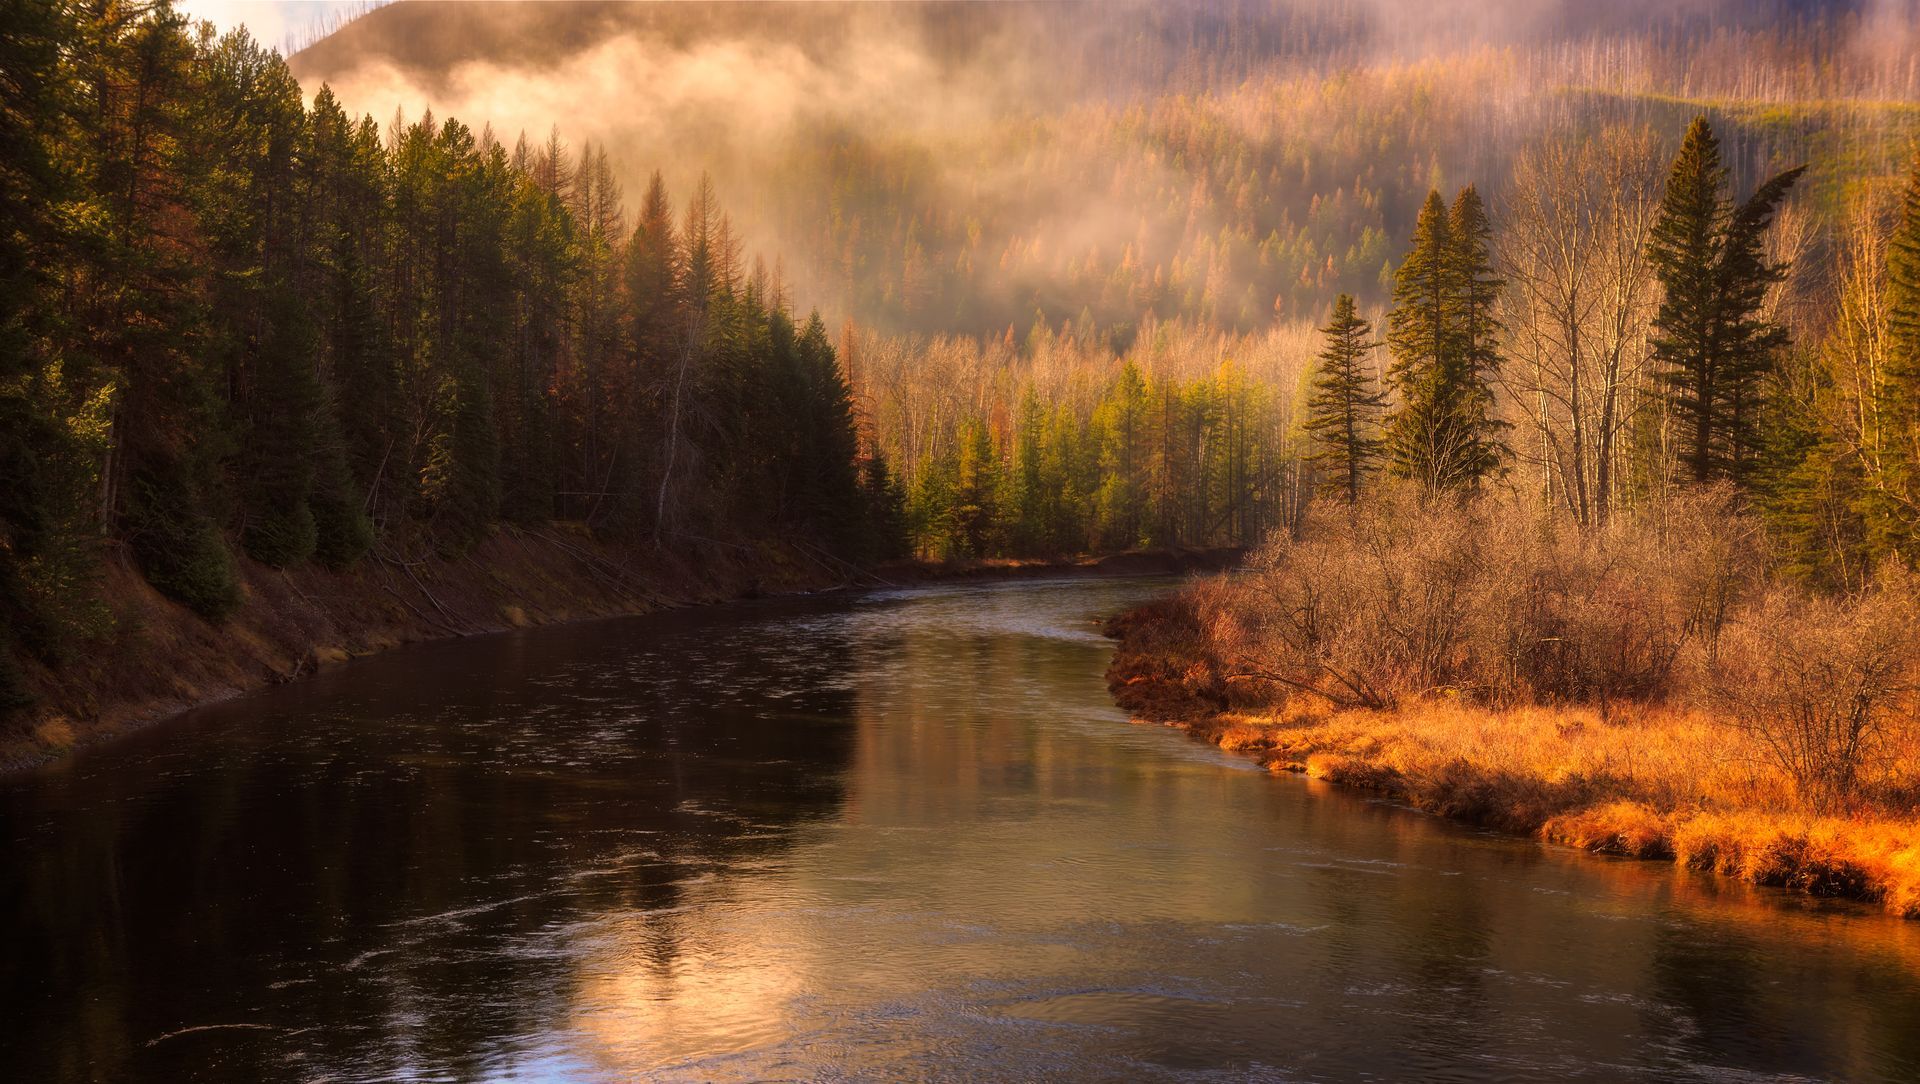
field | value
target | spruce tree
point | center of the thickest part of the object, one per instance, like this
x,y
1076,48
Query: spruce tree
x,y
1441,332
886,510
163,486
1121,424
48,470
1478,289
826,485
976,490
1344,411
1750,344
1710,341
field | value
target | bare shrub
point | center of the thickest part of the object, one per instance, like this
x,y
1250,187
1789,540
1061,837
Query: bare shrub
x,y
1365,608
1486,599
1824,685
1627,601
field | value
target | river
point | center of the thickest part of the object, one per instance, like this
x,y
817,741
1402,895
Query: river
x,y
902,834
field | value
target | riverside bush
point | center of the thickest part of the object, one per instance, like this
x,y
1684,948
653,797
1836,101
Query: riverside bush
x,y
1403,597
1488,604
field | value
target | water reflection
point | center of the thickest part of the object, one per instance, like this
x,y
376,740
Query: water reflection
x,y
898,835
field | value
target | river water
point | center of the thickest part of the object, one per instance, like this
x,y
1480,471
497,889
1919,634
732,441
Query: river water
x,y
895,835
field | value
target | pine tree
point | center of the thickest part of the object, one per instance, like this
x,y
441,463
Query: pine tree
x,y
976,487
1685,250
826,484
886,510
1471,269
930,504
52,413
1344,411
1710,341
1441,334
541,267
1749,343
162,485
1027,484
1120,434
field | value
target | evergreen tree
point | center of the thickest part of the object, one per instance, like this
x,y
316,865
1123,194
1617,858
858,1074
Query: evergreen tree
x,y
1471,270
1712,344
931,520
886,510
1895,507
976,489
1344,411
1120,423
1812,486
53,412
1441,333
541,268
1027,484
162,481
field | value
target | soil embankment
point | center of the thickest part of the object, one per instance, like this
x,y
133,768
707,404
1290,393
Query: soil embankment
x,y
162,659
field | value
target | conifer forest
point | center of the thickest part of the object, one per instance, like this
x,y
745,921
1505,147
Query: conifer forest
x,y
1536,382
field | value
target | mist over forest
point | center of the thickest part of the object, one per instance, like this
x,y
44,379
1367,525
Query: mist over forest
x,y
1536,383
966,168
946,280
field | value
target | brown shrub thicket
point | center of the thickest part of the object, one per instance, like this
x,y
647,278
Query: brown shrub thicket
x,y
1490,605
1402,597
1825,686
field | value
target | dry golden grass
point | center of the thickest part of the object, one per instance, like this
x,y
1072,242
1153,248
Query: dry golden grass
x,y
1647,783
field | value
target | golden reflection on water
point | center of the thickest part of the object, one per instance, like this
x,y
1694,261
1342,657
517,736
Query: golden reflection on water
x,y
1009,854
659,988
901,836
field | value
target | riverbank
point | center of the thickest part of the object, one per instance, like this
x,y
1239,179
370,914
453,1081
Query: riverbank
x,y
162,659
1650,782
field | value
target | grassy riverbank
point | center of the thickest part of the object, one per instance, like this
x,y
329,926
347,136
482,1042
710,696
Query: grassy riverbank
x,y
1649,781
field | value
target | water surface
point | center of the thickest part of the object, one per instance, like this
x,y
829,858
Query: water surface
x,y
899,835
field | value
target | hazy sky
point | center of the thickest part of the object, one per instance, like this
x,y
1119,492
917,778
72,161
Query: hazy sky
x,y
270,21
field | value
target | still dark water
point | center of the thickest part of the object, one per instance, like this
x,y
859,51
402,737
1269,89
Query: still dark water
x,y
903,835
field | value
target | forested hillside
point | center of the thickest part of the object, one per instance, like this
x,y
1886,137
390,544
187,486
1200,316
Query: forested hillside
x,y
240,324
964,168
1076,255
1075,278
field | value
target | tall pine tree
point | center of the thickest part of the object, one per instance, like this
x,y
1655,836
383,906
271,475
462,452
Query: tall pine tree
x,y
1344,412
1711,342
1441,333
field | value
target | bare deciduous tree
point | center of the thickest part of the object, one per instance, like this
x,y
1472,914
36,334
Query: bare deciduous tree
x,y
1580,295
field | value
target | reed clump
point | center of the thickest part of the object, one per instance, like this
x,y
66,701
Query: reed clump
x,y
1643,689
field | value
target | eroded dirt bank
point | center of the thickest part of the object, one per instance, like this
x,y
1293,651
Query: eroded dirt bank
x,y
163,659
